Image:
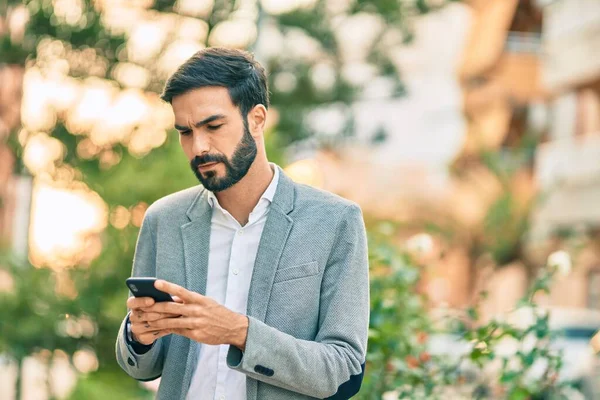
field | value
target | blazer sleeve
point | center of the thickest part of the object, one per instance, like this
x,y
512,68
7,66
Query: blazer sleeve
x,y
147,366
332,365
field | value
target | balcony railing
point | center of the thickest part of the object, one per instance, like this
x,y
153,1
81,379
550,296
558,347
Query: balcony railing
x,y
524,42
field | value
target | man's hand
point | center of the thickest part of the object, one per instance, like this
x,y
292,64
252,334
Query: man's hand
x,y
140,317
202,319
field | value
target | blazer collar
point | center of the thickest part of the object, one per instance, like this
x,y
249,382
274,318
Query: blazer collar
x,y
284,196
283,199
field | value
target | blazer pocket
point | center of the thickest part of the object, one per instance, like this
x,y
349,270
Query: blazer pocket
x,y
297,271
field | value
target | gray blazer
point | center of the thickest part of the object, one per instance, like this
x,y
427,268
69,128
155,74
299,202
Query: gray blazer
x,y
308,304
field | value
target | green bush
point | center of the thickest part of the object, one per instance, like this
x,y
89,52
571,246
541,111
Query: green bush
x,y
399,365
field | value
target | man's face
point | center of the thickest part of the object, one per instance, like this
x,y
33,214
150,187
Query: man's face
x,y
214,137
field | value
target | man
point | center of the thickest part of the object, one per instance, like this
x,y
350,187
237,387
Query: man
x,y
270,278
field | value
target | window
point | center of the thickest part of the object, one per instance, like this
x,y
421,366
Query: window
x,y
593,300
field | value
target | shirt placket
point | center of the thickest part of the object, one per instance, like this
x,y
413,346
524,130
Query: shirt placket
x,y
229,302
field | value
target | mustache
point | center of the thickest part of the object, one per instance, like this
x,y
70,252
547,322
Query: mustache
x,y
205,159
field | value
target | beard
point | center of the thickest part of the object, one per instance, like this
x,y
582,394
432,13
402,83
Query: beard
x,y
235,169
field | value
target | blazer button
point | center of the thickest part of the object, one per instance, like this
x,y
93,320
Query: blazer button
x,y
264,370
130,361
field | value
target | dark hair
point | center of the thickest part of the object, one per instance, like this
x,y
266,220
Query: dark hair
x,y
236,70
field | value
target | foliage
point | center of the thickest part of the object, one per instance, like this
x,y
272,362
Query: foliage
x,y
509,359
35,318
397,357
507,221
321,26
39,314
502,232
532,367
88,32
108,384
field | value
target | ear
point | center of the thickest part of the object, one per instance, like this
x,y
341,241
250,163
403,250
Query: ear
x,y
257,117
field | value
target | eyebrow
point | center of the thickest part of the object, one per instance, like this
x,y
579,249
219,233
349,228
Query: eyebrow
x,y
205,121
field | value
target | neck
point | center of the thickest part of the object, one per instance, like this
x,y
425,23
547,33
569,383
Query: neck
x,y
240,199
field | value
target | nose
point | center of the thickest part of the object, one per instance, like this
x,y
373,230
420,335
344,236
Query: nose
x,y
201,144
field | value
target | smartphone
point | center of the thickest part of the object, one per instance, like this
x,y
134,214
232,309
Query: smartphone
x,y
144,287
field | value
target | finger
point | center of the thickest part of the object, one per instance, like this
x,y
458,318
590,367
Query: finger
x,y
142,328
145,339
157,316
173,323
139,302
180,332
177,299
176,290
138,316
135,316
149,338
143,316
169,307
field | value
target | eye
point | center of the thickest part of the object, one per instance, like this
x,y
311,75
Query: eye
x,y
214,127
185,133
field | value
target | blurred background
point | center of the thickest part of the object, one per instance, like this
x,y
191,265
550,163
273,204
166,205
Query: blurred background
x,y
468,131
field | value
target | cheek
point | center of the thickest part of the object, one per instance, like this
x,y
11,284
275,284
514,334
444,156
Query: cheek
x,y
186,145
230,141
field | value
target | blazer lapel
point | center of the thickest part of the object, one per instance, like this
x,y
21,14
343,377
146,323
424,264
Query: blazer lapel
x,y
276,231
196,247
196,243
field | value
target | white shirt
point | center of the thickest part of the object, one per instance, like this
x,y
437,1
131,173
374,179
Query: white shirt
x,y
233,250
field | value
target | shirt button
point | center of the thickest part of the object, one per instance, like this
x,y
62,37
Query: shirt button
x,y
222,398
236,271
241,232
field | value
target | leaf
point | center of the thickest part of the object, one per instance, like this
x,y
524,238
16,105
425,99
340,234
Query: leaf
x,y
472,313
509,376
519,394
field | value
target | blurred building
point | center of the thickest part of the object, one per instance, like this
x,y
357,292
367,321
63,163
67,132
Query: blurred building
x,y
423,131
568,163
545,82
6,214
9,112
504,100
487,76
15,190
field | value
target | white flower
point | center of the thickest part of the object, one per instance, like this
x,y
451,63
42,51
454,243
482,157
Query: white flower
x,y
514,364
536,371
560,261
391,395
529,342
420,244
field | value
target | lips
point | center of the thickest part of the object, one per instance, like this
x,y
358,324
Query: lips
x,y
208,165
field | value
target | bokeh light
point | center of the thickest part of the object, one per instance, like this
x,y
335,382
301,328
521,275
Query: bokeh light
x,y
85,361
61,220
306,171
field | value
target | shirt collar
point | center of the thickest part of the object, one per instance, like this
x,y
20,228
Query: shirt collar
x,y
268,195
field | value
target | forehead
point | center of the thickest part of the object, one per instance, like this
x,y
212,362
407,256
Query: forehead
x,y
202,103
